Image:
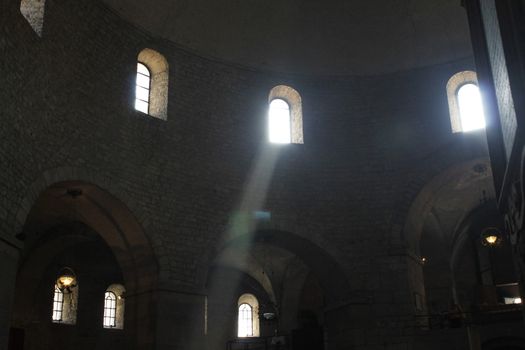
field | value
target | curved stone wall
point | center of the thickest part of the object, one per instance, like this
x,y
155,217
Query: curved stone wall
x,y
370,145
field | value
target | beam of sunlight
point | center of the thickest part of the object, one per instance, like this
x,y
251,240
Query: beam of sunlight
x,y
254,194
243,222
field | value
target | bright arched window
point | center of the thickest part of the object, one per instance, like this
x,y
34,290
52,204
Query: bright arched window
x,y
58,305
110,310
151,91
470,108
464,101
285,115
114,307
245,321
248,316
65,301
279,121
142,88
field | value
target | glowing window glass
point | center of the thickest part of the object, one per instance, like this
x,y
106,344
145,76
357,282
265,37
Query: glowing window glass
x,y
142,88
470,108
245,321
279,122
110,310
58,305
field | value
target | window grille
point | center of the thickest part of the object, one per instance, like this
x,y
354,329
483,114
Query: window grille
x,y
58,305
110,310
142,89
245,328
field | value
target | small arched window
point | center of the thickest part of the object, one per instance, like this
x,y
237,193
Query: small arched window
x,y
248,316
114,307
285,115
65,300
465,105
245,321
151,87
110,310
33,12
470,107
58,305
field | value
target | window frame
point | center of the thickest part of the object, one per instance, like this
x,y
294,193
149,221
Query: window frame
x,y
251,301
245,316
58,305
137,86
158,96
454,84
294,101
117,291
111,309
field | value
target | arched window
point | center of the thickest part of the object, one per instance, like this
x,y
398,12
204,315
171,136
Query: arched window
x,y
279,122
245,321
248,316
114,307
58,305
33,11
465,105
151,87
470,107
285,115
65,300
110,310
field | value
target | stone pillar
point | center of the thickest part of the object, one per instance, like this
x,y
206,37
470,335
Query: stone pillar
x,y
180,320
8,270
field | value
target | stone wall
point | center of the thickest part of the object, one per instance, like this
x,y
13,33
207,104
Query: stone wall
x,y
370,144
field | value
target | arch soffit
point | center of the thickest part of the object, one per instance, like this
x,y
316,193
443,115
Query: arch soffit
x,y
323,265
424,200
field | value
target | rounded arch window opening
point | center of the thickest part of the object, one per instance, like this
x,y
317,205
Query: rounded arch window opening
x,y
470,107
110,310
142,89
279,123
245,321
248,316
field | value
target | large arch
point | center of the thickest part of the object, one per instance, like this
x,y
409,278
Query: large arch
x,y
280,263
460,177
322,264
68,195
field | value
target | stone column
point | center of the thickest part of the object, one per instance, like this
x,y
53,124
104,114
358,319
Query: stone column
x,y
8,269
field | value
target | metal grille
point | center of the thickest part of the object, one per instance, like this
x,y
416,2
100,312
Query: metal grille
x,y
110,310
142,88
58,305
245,321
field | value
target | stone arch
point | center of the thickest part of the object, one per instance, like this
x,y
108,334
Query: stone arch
x,y
72,195
423,202
321,263
64,174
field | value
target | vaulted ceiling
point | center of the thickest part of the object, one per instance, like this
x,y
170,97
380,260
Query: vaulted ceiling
x,y
310,36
